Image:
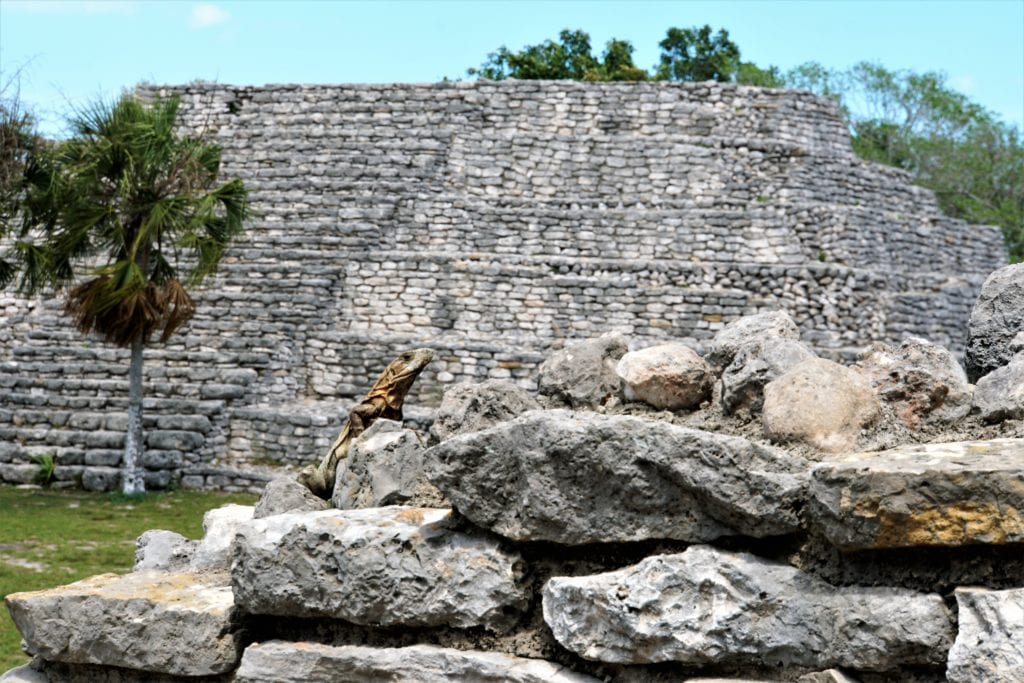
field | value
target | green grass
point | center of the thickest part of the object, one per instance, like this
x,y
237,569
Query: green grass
x,y
49,538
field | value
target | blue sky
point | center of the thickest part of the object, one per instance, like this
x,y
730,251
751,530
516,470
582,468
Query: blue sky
x,y
72,51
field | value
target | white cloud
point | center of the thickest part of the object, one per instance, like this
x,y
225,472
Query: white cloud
x,y
205,15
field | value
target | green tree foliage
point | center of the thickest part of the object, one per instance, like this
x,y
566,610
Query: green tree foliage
x,y
694,54
570,58
691,54
117,216
973,162
17,138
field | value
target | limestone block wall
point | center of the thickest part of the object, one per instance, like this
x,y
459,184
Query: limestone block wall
x,y
491,222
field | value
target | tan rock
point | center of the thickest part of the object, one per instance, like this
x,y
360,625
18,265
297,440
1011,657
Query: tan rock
x,y
667,376
922,381
820,403
946,494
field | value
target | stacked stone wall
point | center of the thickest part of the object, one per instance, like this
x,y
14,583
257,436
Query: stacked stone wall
x,y
491,222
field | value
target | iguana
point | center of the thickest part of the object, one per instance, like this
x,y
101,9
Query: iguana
x,y
383,400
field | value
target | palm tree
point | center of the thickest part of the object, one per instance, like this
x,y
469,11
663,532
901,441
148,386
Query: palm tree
x,y
123,202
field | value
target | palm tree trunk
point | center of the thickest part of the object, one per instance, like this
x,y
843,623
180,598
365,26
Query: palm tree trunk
x,y
131,477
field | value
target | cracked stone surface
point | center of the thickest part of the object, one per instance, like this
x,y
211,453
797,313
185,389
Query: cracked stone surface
x,y
947,494
708,606
990,636
582,477
378,566
282,662
166,622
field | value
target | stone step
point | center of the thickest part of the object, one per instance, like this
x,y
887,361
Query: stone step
x,y
174,623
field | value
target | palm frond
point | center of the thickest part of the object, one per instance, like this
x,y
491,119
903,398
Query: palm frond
x,y
126,190
178,309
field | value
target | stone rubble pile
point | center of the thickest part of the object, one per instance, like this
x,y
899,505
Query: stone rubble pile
x,y
772,531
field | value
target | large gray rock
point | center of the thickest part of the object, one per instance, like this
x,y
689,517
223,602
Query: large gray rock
x,y
996,319
922,495
582,477
282,662
24,674
1000,394
707,606
922,381
213,552
990,637
384,467
393,566
161,549
472,407
582,375
819,403
754,365
286,494
164,622
668,376
728,341
829,676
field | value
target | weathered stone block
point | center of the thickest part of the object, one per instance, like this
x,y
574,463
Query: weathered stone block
x,y
382,566
729,339
990,636
583,373
754,365
164,622
164,550
1000,394
933,494
581,477
384,467
173,440
996,319
707,606
220,525
471,407
281,662
286,494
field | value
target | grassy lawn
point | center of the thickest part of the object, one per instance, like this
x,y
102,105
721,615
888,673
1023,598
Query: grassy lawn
x,y
49,538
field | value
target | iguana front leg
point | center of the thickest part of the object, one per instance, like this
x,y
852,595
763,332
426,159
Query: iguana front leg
x,y
363,415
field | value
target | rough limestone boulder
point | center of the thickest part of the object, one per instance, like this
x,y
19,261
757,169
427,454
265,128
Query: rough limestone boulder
x,y
820,403
582,477
996,319
286,494
728,341
918,495
990,636
384,467
472,407
213,552
582,375
667,376
282,662
707,606
393,566
161,549
754,365
24,674
176,623
1000,394
923,381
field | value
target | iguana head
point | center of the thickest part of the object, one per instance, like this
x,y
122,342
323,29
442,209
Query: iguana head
x,y
401,373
